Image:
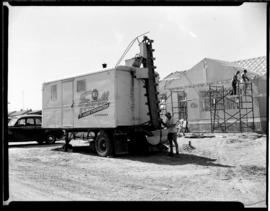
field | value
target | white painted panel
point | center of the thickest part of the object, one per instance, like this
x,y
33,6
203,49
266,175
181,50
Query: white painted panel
x,y
48,101
141,73
51,118
131,100
67,103
125,98
94,107
67,93
51,107
136,110
67,117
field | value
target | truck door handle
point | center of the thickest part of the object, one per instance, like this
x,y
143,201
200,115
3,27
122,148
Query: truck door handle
x,y
72,105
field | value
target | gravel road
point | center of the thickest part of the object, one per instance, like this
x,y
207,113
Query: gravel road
x,y
228,167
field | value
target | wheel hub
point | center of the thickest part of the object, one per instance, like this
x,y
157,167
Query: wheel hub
x,y
102,145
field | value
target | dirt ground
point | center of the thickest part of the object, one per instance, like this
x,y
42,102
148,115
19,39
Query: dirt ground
x,y
227,167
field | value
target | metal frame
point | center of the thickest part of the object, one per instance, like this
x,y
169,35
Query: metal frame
x,y
151,86
219,114
176,107
180,109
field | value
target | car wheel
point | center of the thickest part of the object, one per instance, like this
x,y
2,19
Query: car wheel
x,y
103,145
50,139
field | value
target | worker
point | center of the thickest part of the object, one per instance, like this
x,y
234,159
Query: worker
x,y
182,127
235,82
244,80
172,132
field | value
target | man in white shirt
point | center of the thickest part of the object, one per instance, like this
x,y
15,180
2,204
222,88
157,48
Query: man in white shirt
x,y
172,132
182,127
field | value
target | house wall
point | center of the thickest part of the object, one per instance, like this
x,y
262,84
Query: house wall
x,y
261,98
199,119
197,79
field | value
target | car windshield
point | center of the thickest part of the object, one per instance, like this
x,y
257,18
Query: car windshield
x,y
12,122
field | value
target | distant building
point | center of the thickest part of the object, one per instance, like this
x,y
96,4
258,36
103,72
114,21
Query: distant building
x,y
39,112
187,92
23,112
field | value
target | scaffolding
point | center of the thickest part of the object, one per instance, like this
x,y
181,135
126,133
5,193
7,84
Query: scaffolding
x,y
176,103
180,106
227,110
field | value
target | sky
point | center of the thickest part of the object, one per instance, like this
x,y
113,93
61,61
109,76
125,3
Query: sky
x,y
51,43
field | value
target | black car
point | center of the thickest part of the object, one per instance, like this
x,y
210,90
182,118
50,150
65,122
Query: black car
x,y
28,128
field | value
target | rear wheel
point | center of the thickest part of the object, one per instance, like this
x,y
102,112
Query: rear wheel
x,y
103,145
50,139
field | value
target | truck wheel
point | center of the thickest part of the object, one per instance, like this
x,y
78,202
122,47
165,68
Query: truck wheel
x,y
103,145
50,139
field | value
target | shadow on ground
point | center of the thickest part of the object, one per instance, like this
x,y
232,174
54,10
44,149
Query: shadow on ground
x,y
161,158
77,149
181,159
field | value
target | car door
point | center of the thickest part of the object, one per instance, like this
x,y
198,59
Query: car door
x,y
29,130
38,129
17,130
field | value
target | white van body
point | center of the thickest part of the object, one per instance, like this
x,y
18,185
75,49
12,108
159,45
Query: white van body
x,y
104,99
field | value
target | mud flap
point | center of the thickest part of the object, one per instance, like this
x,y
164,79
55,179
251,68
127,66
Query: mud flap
x,y
120,144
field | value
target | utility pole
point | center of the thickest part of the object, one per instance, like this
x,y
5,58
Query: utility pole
x,y
23,100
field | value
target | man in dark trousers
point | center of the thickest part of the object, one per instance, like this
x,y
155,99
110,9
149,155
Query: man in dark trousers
x,y
172,132
245,80
235,81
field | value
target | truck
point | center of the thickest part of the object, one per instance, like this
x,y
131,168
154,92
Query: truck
x,y
119,106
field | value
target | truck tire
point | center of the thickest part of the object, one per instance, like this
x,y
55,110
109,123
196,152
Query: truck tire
x,y
103,145
50,139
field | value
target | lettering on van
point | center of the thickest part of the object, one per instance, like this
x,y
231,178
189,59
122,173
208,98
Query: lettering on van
x,y
91,103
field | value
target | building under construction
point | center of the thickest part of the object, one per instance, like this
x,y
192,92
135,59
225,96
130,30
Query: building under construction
x,y
201,95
